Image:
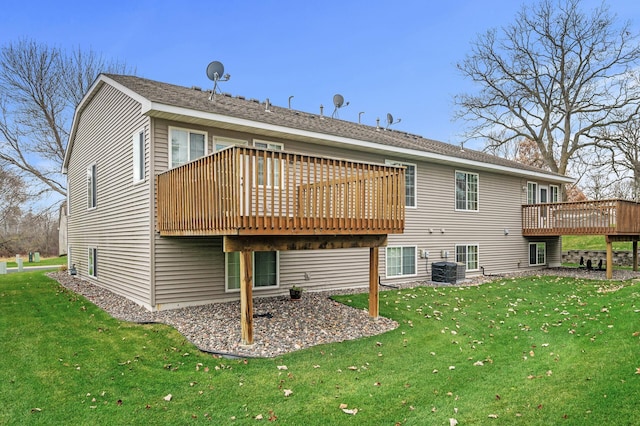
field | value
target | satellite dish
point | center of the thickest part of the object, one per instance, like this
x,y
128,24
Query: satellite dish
x,y
390,120
215,70
338,102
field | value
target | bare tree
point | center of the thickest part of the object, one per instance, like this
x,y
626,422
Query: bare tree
x,y
557,76
620,156
12,196
40,86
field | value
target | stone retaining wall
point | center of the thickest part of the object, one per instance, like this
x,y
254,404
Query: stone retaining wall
x,y
620,257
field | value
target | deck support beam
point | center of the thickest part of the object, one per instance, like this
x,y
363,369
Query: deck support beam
x,y
635,255
373,282
246,297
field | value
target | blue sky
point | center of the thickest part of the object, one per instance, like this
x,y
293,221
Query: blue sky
x,y
383,57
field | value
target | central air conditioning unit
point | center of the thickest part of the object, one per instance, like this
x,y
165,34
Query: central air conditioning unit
x,y
448,272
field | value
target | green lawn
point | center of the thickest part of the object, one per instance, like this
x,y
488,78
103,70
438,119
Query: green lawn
x,y
590,242
49,261
530,351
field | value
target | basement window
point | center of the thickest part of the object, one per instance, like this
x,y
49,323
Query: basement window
x,y
401,261
468,255
265,270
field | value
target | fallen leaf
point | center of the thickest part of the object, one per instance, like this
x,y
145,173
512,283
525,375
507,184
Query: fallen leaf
x,y
453,422
168,397
478,363
36,410
376,384
353,367
343,406
493,416
272,416
353,412
282,367
288,392
258,417
638,370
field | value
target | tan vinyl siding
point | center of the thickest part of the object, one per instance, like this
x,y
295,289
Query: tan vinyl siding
x,y
500,198
119,226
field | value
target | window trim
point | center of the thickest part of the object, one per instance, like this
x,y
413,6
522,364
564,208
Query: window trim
x,y
92,186
455,189
532,188
415,261
227,142
538,244
253,265
139,156
466,264
92,262
415,180
189,131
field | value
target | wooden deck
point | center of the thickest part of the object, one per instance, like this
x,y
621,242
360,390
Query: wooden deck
x,y
249,191
262,200
617,220
614,218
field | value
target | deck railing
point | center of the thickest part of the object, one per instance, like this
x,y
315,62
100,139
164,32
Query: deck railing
x,y
251,191
606,217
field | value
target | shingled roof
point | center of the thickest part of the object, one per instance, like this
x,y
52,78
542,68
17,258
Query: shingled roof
x,y
253,110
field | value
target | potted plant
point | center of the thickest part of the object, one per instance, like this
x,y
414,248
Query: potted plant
x,y
295,292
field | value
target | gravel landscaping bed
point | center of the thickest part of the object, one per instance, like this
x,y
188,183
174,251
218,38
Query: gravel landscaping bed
x,y
280,324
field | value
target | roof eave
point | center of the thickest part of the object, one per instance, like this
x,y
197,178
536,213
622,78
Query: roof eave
x,y
93,90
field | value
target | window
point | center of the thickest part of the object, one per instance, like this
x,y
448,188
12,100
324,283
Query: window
x,y
265,269
92,199
537,254
138,157
468,255
222,143
410,182
93,262
401,261
272,169
532,193
554,193
466,191
186,145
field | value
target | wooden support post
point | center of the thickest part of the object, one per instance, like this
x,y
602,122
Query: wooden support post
x,y
373,282
246,297
635,255
609,258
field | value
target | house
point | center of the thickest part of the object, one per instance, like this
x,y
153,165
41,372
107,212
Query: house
x,y
177,198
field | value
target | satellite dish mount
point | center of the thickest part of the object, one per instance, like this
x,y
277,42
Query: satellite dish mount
x,y
338,102
215,72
